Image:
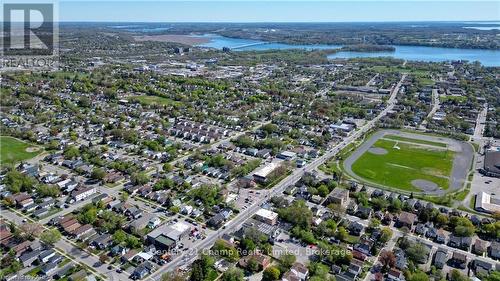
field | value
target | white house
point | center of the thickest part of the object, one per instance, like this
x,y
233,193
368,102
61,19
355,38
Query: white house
x,y
82,193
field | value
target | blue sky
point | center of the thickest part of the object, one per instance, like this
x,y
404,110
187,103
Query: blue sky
x,y
277,11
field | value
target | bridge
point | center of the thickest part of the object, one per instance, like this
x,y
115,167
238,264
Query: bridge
x,y
249,45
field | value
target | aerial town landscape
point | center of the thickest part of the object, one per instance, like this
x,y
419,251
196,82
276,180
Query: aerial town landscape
x,y
271,151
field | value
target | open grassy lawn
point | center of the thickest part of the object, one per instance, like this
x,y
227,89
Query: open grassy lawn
x,y
393,137
148,100
399,167
13,150
421,75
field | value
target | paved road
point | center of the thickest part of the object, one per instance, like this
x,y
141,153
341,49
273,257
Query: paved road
x,y
480,123
435,106
232,225
461,163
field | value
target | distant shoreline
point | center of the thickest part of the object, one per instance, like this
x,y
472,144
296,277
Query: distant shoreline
x,y
182,39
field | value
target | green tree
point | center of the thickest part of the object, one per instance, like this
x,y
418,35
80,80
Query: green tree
x,y
463,227
119,236
46,190
139,178
98,173
287,260
71,152
271,273
133,242
253,265
441,219
16,182
50,236
88,215
494,276
385,235
417,252
374,223
233,274
167,167
323,190
226,250
456,275
342,234
298,214
172,276
248,244
419,276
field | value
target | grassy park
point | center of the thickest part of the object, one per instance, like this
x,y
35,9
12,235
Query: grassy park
x,y
13,150
395,164
149,100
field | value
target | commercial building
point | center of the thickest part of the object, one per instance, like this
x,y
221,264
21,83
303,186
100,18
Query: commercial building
x,y
491,163
486,203
166,236
339,196
266,216
262,174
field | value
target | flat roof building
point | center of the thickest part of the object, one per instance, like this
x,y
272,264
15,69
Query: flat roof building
x,y
339,196
267,216
491,163
262,174
174,231
486,203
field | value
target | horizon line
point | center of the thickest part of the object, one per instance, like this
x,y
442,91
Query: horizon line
x,y
305,22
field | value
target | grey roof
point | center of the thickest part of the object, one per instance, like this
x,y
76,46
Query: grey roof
x,y
29,255
492,161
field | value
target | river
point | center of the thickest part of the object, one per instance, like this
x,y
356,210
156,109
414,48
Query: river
x,y
412,53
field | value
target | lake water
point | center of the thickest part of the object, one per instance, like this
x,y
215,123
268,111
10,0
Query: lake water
x,y
218,42
416,53
431,54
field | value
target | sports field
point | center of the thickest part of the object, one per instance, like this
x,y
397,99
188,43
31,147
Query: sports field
x,y
13,150
405,163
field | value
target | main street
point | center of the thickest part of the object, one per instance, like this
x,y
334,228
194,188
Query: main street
x,y
481,123
435,107
232,225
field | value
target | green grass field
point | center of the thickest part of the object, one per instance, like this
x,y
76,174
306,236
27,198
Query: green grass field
x,y
433,143
13,150
399,167
148,100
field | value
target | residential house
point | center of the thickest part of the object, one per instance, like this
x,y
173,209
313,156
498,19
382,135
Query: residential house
x,y
102,241
46,255
480,247
494,250
27,258
82,193
440,258
48,268
395,275
300,270
482,268
355,228
406,219
262,260
459,260
463,243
